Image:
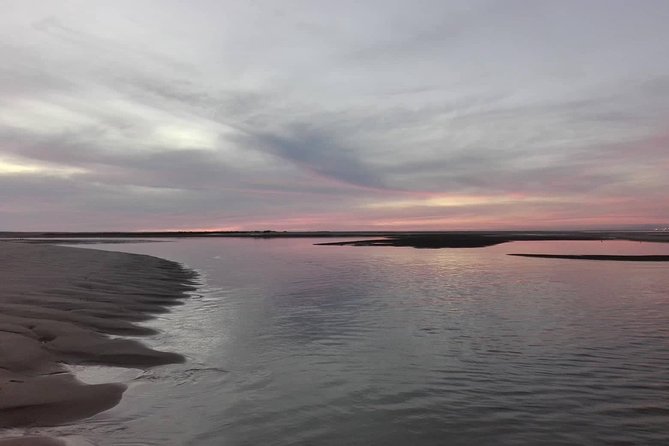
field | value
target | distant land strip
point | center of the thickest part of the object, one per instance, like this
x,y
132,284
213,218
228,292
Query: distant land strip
x,y
429,241
483,239
618,258
415,239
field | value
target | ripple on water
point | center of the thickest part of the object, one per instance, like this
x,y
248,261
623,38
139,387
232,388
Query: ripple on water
x,y
291,344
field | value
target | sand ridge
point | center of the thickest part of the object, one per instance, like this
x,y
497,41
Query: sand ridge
x,y
58,305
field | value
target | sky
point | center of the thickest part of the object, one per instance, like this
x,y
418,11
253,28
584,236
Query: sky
x,y
348,115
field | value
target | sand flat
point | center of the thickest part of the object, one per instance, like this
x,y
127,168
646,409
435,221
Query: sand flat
x,y
58,305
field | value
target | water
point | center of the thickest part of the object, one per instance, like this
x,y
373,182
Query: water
x,y
295,344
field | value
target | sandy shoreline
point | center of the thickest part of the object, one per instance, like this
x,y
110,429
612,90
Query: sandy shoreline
x,y
58,305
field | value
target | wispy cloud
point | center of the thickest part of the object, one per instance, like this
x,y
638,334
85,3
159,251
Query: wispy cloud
x,y
378,114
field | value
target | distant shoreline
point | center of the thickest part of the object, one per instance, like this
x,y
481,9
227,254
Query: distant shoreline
x,y
416,239
617,258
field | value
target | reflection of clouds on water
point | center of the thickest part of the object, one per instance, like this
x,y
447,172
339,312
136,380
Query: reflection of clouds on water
x,y
324,309
400,346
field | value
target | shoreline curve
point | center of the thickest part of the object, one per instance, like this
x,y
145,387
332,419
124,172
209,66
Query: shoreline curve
x,y
59,305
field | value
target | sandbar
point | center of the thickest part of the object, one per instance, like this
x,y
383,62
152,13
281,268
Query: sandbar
x,y
58,305
617,258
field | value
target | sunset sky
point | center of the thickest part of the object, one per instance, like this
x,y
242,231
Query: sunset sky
x,y
315,114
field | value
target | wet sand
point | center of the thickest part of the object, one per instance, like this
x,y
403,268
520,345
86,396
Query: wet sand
x,y
432,241
58,305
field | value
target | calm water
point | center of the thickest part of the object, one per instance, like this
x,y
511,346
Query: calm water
x,y
294,344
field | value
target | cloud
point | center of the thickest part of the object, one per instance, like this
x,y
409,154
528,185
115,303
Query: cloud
x,y
315,150
360,114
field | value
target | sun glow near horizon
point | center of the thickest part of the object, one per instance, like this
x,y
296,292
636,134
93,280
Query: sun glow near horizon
x,y
13,166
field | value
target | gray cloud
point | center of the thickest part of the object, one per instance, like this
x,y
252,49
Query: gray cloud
x,y
233,112
315,150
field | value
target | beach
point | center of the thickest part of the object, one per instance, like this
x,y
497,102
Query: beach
x,y
63,305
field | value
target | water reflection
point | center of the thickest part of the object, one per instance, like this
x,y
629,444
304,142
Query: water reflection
x,y
294,344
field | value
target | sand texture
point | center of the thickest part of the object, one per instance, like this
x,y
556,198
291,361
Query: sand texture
x,y
58,305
